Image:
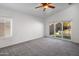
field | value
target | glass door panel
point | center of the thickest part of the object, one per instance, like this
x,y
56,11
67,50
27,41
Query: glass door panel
x,y
67,29
51,27
58,30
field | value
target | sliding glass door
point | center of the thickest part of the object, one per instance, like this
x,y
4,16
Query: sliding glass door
x,y
61,30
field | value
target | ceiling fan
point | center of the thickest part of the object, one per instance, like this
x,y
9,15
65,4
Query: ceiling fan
x,y
46,6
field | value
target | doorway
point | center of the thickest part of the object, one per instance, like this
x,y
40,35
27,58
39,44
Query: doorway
x,y
60,30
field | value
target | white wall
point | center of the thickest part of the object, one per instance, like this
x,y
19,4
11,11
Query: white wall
x,y
25,27
69,13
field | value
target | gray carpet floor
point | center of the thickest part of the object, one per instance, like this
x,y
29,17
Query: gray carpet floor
x,y
42,47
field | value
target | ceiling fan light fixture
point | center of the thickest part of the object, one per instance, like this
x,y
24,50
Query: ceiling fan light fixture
x,y
46,6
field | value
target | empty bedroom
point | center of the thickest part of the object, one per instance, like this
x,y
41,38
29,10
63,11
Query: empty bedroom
x,y
39,29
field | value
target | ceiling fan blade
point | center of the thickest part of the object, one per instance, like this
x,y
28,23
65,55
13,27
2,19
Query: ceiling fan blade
x,y
38,7
51,6
44,4
49,3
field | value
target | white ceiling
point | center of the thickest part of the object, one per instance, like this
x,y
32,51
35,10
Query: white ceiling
x,y
29,8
